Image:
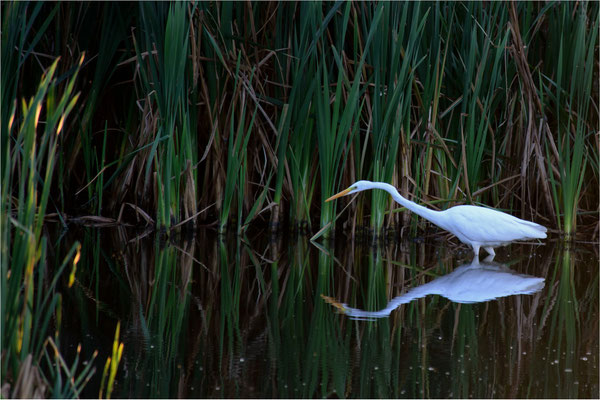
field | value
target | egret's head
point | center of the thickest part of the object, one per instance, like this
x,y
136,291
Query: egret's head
x,y
356,187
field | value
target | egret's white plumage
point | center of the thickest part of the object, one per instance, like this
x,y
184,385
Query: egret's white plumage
x,y
472,225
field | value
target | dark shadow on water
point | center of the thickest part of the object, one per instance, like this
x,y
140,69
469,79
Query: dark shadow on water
x,y
245,317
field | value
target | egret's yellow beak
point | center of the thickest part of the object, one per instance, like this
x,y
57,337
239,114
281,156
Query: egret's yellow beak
x,y
334,303
340,194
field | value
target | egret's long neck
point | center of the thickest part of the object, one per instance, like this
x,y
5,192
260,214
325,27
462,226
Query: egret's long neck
x,y
421,211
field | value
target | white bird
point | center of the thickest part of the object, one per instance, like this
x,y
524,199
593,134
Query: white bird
x,y
470,283
473,225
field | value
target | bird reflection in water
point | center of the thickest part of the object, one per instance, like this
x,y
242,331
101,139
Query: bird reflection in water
x,y
474,282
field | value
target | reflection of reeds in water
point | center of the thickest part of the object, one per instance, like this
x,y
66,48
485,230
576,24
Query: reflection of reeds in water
x,y
246,317
568,319
160,282
511,332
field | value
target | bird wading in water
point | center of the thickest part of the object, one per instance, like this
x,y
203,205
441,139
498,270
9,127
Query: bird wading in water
x,y
473,225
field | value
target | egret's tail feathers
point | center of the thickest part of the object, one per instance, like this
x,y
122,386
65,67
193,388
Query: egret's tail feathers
x,y
536,231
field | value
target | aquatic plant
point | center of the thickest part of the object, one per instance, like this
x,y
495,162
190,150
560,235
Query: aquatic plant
x,y
29,298
437,99
239,114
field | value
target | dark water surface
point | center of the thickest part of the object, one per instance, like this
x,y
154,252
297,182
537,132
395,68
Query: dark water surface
x,y
254,317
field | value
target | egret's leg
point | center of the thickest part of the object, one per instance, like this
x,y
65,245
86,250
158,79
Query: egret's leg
x,y
489,258
490,250
476,250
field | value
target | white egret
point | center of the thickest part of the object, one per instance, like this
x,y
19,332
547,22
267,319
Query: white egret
x,y
476,226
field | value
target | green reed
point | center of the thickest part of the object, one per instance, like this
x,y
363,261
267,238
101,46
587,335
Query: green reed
x,y
111,30
237,160
393,57
29,163
572,98
165,85
338,123
435,98
296,138
483,75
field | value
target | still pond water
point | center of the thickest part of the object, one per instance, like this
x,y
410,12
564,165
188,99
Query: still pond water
x,y
284,317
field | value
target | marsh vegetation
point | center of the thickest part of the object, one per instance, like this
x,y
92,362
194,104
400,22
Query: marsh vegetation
x,y
222,118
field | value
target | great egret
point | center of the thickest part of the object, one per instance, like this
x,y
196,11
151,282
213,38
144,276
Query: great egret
x,y
472,225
